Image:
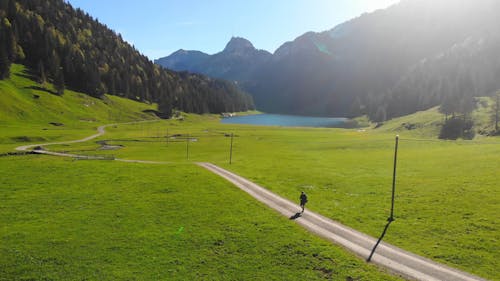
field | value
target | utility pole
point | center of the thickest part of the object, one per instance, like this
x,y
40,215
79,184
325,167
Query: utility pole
x,y
167,136
187,147
391,218
496,112
231,151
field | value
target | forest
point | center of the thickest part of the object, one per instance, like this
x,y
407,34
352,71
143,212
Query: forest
x,y
69,48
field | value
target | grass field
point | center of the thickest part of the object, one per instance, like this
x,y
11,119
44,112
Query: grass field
x,y
447,195
106,220
447,199
100,220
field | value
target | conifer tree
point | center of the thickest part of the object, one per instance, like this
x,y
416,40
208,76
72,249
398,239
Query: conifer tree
x,y
59,82
4,63
41,73
5,43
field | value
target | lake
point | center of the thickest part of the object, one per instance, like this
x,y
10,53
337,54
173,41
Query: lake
x,y
287,121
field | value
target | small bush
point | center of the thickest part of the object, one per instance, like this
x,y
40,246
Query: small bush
x,y
455,128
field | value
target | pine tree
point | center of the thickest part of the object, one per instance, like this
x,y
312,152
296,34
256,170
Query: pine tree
x,y
381,115
4,63
5,43
41,73
449,105
59,82
165,107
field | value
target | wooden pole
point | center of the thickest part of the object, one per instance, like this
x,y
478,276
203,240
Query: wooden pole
x,y
496,112
187,147
391,218
167,137
231,151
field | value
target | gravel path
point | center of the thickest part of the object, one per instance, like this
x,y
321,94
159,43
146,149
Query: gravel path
x,y
401,262
100,131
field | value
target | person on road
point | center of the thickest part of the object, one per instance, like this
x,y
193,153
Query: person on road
x,y
303,200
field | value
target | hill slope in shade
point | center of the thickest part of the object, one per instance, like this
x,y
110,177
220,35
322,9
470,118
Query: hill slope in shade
x,y
68,46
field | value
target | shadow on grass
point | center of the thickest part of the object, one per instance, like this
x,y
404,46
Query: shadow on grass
x,y
379,240
38,88
27,74
296,216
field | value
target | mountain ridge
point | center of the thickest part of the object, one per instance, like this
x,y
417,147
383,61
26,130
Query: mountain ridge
x,y
352,68
237,61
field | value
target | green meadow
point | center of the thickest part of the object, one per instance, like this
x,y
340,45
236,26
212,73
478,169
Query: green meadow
x,y
105,220
447,196
65,219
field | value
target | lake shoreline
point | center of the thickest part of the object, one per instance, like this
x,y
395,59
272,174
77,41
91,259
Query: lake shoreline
x,y
266,119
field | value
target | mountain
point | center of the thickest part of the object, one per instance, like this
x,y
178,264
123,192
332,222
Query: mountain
x,y
238,61
71,49
452,78
183,60
358,67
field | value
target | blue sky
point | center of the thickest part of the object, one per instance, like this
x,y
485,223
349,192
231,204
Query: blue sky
x,y
159,27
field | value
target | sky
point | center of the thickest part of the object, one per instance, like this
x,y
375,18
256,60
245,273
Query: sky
x,y
158,28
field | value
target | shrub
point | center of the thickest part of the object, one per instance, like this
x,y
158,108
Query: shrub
x,y
455,128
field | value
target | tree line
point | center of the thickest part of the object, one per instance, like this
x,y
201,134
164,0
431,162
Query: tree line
x,y
70,48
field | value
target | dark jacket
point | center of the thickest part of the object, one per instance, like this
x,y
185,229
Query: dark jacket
x,y
303,199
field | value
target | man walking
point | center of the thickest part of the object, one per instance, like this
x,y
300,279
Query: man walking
x,y
303,200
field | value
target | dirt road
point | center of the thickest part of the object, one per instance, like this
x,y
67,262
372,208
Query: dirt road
x,y
100,131
401,262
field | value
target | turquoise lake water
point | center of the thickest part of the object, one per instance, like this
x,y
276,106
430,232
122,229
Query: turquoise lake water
x,y
286,121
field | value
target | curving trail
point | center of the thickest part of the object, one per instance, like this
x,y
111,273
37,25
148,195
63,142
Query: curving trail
x,y
100,132
399,261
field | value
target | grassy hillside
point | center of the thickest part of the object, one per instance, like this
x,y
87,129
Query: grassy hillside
x,y
27,110
484,115
423,124
427,124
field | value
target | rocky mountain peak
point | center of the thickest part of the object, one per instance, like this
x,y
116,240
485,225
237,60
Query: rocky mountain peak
x,y
237,44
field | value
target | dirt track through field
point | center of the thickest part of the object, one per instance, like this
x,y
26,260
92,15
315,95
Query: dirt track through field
x,y
401,262
396,260
100,131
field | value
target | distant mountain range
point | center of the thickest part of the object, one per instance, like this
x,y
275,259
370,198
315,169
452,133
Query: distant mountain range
x,y
237,61
411,56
